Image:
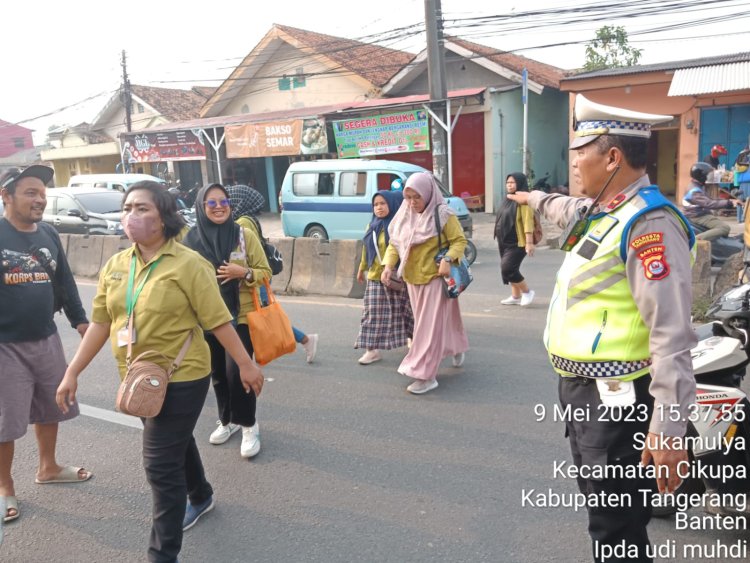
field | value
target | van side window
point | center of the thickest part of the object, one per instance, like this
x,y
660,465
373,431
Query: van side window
x,y
353,183
100,184
312,183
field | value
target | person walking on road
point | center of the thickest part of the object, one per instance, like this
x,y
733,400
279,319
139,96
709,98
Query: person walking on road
x,y
387,320
247,203
241,267
35,283
618,328
169,292
438,327
514,229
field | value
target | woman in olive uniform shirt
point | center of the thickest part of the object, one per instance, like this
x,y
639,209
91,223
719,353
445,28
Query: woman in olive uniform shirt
x,y
178,295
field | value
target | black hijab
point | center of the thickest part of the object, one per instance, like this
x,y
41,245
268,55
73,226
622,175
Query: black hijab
x,y
215,243
505,219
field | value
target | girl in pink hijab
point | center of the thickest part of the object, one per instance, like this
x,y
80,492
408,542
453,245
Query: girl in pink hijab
x,y
438,328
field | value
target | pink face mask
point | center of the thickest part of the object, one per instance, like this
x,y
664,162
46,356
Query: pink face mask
x,y
140,229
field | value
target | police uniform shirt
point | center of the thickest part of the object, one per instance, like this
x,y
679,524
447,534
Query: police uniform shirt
x,y
664,304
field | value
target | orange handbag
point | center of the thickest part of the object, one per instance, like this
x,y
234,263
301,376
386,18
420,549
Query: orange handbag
x,y
270,329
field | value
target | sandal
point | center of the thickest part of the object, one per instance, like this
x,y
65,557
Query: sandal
x,y
11,503
67,474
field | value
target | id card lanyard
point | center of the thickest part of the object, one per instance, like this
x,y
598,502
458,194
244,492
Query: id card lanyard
x,y
132,297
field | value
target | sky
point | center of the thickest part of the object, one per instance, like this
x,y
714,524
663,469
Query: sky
x,y
63,53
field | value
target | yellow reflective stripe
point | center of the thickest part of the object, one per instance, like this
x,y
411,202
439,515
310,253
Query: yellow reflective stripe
x,y
596,288
595,270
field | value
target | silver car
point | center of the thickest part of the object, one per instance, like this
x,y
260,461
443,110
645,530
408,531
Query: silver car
x,y
84,211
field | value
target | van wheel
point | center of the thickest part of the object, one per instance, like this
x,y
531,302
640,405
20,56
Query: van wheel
x,y
316,231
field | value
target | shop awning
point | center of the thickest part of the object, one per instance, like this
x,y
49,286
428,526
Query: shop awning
x,y
710,79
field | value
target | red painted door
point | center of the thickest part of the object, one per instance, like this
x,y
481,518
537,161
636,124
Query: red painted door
x,y
468,155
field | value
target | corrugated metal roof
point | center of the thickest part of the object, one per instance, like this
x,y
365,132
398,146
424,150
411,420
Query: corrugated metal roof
x,y
667,66
710,79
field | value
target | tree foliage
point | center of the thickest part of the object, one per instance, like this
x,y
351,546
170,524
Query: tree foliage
x,y
610,49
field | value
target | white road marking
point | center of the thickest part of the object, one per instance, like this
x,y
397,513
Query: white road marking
x,y
110,416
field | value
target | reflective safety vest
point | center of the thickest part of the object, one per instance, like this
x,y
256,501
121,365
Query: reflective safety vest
x,y
593,327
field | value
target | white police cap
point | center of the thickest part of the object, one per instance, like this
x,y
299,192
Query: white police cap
x,y
592,120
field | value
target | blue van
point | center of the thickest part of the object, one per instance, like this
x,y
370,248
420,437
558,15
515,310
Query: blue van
x,y
332,199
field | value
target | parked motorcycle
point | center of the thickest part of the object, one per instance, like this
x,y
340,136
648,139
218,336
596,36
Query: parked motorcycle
x,y
719,422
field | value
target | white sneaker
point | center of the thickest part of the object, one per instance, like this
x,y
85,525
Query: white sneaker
x,y
311,347
422,386
250,441
458,359
527,298
370,357
222,433
511,301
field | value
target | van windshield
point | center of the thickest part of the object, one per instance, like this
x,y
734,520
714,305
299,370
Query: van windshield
x,y
443,189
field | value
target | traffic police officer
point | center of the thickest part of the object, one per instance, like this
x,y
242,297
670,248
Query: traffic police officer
x,y
618,328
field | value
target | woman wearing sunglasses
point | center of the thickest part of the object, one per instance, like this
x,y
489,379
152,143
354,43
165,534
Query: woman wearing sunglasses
x,y
240,264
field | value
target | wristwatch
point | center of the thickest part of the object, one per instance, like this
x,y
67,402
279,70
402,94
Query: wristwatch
x,y
448,259
249,275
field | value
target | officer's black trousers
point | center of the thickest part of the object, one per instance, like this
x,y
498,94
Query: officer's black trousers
x,y
597,442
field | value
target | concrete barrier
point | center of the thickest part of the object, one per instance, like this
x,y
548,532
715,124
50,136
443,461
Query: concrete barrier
x,y
85,254
285,245
326,268
64,241
111,245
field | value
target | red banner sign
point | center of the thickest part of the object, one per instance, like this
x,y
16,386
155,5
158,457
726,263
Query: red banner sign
x,y
158,147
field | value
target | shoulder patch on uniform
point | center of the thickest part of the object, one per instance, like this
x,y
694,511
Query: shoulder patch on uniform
x,y
648,238
655,266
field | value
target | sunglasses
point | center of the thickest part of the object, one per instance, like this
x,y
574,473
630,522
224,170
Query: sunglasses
x,y
221,203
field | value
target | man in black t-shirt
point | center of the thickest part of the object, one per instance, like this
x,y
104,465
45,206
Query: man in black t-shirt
x,y
35,282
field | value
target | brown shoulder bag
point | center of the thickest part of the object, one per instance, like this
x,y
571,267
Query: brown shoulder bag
x,y
144,388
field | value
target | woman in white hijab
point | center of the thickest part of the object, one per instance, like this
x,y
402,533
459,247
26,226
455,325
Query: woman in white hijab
x,y
438,328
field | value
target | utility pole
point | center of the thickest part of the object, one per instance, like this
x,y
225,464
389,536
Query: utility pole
x,y
127,99
438,91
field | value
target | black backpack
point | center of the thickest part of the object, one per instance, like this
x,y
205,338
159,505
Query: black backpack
x,y
273,255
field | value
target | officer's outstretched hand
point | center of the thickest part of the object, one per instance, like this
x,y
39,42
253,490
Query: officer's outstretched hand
x,y
522,198
655,449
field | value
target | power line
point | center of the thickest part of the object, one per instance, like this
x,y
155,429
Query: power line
x,y
549,19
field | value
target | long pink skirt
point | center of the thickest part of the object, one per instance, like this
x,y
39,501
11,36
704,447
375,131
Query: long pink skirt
x,y
438,330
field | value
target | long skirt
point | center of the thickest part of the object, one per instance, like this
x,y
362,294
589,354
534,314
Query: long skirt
x,y
387,321
438,330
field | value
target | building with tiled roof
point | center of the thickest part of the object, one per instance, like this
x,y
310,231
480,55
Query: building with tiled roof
x,y
93,148
540,72
370,61
293,68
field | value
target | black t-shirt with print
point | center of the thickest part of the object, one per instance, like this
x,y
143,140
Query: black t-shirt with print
x,y
26,293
